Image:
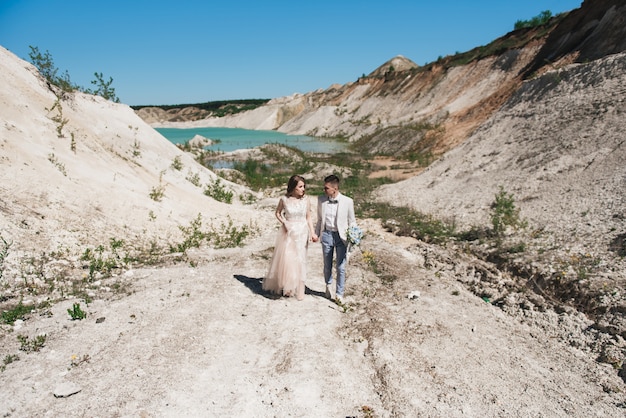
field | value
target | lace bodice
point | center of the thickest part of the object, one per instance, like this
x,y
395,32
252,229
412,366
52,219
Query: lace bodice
x,y
295,209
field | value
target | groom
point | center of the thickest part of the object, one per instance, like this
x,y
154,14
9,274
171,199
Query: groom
x,y
335,213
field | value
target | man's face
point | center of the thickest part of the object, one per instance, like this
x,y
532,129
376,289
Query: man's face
x,y
331,190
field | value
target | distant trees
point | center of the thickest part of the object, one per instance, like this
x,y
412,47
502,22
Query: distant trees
x,y
538,20
46,67
217,108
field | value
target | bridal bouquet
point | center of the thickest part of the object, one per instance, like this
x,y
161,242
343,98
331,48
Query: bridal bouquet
x,y
354,235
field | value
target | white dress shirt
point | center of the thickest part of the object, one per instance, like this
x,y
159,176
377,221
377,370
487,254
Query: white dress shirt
x,y
330,217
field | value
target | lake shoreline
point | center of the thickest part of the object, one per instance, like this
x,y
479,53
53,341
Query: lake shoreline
x,y
232,139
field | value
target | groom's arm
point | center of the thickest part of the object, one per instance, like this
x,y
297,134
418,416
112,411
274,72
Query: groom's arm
x,y
351,217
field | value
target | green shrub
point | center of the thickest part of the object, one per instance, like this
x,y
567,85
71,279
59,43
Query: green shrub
x,y
193,178
28,345
407,222
58,118
46,67
12,315
247,198
76,313
541,19
4,253
136,149
177,164
504,213
59,165
8,359
157,193
103,88
279,163
192,236
218,191
256,174
103,261
228,235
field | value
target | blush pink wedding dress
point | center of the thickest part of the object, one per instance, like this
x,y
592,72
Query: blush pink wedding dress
x,y
287,271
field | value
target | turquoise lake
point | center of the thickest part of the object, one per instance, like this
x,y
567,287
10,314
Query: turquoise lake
x,y
235,138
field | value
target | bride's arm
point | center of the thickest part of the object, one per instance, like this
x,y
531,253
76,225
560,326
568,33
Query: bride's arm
x,y
279,211
309,221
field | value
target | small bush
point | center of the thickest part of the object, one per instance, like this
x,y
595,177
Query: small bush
x,y
541,19
58,118
136,149
104,261
4,253
103,88
12,315
76,313
193,178
46,67
218,191
8,359
157,193
247,198
177,164
504,213
28,345
60,166
192,236
407,222
228,235
370,259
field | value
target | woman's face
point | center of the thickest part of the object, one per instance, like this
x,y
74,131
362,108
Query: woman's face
x,y
299,190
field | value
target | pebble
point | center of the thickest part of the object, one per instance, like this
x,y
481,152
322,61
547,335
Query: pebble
x,y
66,389
414,294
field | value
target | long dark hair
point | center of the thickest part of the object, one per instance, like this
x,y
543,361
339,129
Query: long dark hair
x,y
293,182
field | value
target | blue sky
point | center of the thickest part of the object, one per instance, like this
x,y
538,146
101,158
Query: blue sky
x,y
167,52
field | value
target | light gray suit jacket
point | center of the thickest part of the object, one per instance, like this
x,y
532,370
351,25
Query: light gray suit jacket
x,y
345,214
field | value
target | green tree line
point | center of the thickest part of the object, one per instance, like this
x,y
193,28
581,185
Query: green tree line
x,y
541,19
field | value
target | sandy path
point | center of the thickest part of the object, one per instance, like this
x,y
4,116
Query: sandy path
x,y
194,342
204,341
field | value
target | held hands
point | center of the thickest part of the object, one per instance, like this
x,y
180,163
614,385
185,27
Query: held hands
x,y
314,238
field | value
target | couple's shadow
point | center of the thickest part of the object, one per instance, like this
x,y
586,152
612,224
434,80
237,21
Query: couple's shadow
x,y
255,284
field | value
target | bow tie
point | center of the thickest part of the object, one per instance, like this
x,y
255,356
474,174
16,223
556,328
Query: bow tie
x,y
332,201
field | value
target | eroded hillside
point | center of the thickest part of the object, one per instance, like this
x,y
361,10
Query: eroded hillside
x,y
557,146
402,109
80,172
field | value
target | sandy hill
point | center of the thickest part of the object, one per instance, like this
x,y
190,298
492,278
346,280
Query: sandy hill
x,y
69,162
558,147
398,63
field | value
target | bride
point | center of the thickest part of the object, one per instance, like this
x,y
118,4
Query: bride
x,y
287,271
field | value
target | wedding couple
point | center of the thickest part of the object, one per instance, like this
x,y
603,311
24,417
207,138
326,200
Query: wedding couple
x,y
335,214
